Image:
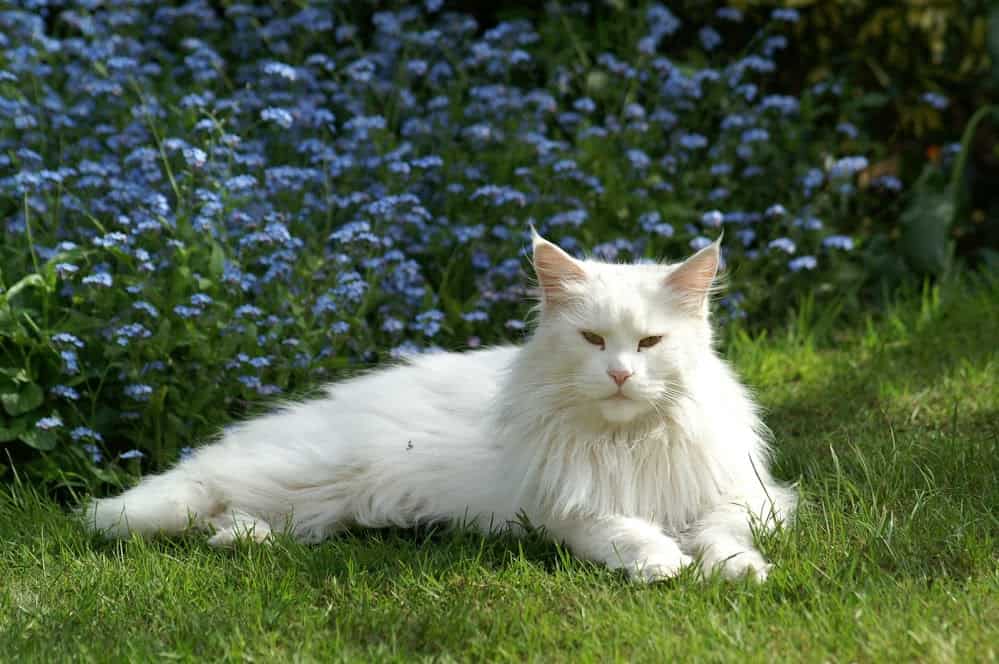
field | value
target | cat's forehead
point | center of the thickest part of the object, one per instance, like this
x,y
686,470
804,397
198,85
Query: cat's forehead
x,y
632,295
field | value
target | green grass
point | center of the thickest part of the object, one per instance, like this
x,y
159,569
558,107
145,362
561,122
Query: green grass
x,y
891,426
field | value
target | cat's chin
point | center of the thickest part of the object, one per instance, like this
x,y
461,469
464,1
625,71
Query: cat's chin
x,y
620,411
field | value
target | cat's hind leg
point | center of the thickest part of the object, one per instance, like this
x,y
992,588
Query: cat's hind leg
x,y
235,525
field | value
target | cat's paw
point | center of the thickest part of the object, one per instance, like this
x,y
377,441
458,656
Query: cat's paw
x,y
744,564
660,568
228,537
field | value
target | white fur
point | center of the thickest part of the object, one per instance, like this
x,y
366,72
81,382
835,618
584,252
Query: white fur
x,y
677,469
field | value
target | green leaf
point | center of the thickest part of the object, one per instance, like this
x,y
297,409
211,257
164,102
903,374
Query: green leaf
x,y
926,226
12,430
30,281
40,439
217,260
17,373
27,399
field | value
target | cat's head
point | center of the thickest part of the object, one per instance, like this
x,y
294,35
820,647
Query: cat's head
x,y
621,340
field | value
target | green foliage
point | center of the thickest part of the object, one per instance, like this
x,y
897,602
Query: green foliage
x,y
935,201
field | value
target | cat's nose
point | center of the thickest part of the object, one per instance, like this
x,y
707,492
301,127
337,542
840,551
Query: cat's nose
x,y
619,375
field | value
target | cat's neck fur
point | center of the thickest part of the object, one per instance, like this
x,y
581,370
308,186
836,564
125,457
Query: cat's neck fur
x,y
573,462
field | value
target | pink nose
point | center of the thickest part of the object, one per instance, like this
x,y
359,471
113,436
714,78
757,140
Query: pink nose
x,y
619,375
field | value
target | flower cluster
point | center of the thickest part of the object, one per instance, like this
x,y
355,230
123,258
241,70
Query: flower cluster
x,y
230,201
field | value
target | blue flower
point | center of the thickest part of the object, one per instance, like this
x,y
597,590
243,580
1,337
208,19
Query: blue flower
x,y
49,423
699,243
782,103
729,14
67,339
280,70
131,454
570,217
784,244
802,263
477,316
710,38
755,136
693,141
324,305
406,350
774,44
66,269
889,182
634,111
936,100
195,157
847,166
639,160
847,129
713,218
201,300
185,311
99,279
500,195
838,242
278,116
70,361
812,180
65,392
747,236
95,452
80,433
392,325
428,322
788,15
146,307
124,334
138,391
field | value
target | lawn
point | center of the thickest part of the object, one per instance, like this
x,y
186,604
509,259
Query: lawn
x,y
890,425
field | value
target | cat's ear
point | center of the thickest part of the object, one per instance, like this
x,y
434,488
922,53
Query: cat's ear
x,y
554,268
693,279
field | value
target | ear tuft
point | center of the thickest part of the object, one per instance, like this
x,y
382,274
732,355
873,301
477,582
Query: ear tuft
x,y
693,279
554,268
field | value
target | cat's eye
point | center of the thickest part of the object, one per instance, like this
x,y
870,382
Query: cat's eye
x,y
649,342
594,339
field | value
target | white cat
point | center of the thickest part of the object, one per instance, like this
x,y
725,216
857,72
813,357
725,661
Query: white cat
x,y
616,427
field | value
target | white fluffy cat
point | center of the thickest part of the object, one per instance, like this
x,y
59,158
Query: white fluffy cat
x,y
616,427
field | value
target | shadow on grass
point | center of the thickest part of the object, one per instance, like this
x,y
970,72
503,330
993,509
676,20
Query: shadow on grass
x,y
913,356
895,440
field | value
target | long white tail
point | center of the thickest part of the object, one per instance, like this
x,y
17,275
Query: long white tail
x,y
167,503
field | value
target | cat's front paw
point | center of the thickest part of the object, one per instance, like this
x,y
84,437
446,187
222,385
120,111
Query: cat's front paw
x,y
744,564
660,568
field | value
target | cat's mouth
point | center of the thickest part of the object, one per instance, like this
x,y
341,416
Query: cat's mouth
x,y
617,396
